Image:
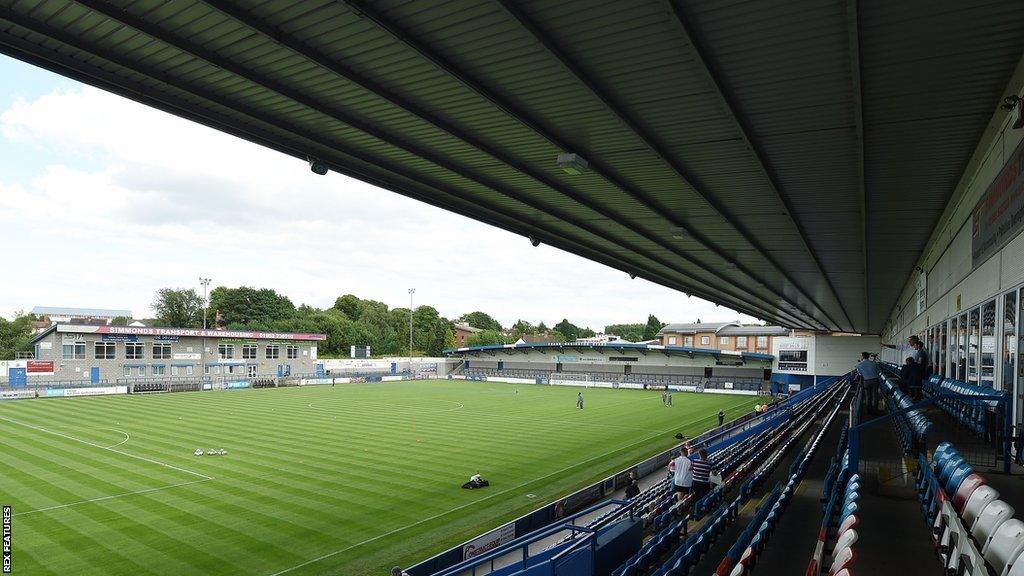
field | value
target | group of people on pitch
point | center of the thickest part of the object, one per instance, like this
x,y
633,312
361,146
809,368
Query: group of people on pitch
x,y
690,472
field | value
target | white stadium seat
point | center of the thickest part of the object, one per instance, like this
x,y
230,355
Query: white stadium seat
x,y
849,538
991,518
982,497
1006,545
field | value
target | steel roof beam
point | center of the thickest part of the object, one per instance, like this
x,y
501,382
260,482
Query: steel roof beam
x,y
746,132
365,10
593,252
214,59
853,33
659,150
273,33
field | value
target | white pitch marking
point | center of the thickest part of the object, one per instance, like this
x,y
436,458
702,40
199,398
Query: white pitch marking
x,y
94,445
126,437
111,497
440,514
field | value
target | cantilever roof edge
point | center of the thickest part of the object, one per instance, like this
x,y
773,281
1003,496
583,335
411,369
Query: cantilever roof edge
x,y
631,346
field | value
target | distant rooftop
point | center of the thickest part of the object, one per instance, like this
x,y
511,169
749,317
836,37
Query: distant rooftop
x,y
80,312
724,329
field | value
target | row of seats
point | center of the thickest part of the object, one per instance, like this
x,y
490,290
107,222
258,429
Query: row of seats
x,y
841,496
911,426
975,415
974,531
759,467
669,518
742,557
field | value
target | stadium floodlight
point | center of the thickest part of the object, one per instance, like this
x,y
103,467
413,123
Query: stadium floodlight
x,y
206,305
318,166
534,241
572,163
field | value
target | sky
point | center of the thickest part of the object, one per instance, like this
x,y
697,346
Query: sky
x,y
104,201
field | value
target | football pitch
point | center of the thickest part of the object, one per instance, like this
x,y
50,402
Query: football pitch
x,y
346,480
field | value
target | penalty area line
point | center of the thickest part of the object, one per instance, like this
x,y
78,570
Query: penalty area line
x,y
485,498
112,496
109,448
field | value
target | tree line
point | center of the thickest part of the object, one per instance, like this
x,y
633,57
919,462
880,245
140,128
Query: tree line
x,y
351,321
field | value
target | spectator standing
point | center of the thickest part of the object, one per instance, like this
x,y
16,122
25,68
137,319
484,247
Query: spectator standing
x,y
867,369
683,479
668,397
701,473
721,417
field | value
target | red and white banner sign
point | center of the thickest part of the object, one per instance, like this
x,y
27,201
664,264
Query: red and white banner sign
x,y
39,367
144,331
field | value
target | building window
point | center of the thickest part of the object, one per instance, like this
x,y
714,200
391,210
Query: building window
x,y
741,341
273,351
249,351
688,341
127,371
174,370
723,340
293,351
226,351
705,340
161,351
672,340
105,350
762,341
188,370
159,370
73,351
142,370
134,351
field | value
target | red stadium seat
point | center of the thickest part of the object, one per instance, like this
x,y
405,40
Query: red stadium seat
x,y
967,487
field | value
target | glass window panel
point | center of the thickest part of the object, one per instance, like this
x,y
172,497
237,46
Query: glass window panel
x,y
973,344
1009,336
961,348
988,343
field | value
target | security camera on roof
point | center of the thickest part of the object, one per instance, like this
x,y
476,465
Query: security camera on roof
x,y
318,166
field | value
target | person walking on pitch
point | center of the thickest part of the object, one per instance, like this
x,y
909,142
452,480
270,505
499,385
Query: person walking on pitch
x,y
579,400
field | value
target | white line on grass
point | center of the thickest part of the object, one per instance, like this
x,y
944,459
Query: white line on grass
x,y
111,497
126,437
507,490
93,444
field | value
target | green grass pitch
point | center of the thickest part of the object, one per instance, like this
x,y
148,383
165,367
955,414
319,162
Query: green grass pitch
x,y
346,480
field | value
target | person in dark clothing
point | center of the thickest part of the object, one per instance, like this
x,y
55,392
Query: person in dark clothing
x,y
701,473
912,376
633,490
721,417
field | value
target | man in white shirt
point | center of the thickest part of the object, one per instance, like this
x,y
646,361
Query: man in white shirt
x,y
683,478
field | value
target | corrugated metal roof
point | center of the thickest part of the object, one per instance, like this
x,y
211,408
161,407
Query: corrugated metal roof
x,y
775,157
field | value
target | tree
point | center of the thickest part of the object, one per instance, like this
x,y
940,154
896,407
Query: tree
x,y
486,338
120,321
178,308
252,307
631,332
348,305
587,333
523,327
15,335
449,338
653,327
480,320
542,328
568,329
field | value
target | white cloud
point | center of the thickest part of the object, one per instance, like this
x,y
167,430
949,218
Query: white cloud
x,y
133,200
